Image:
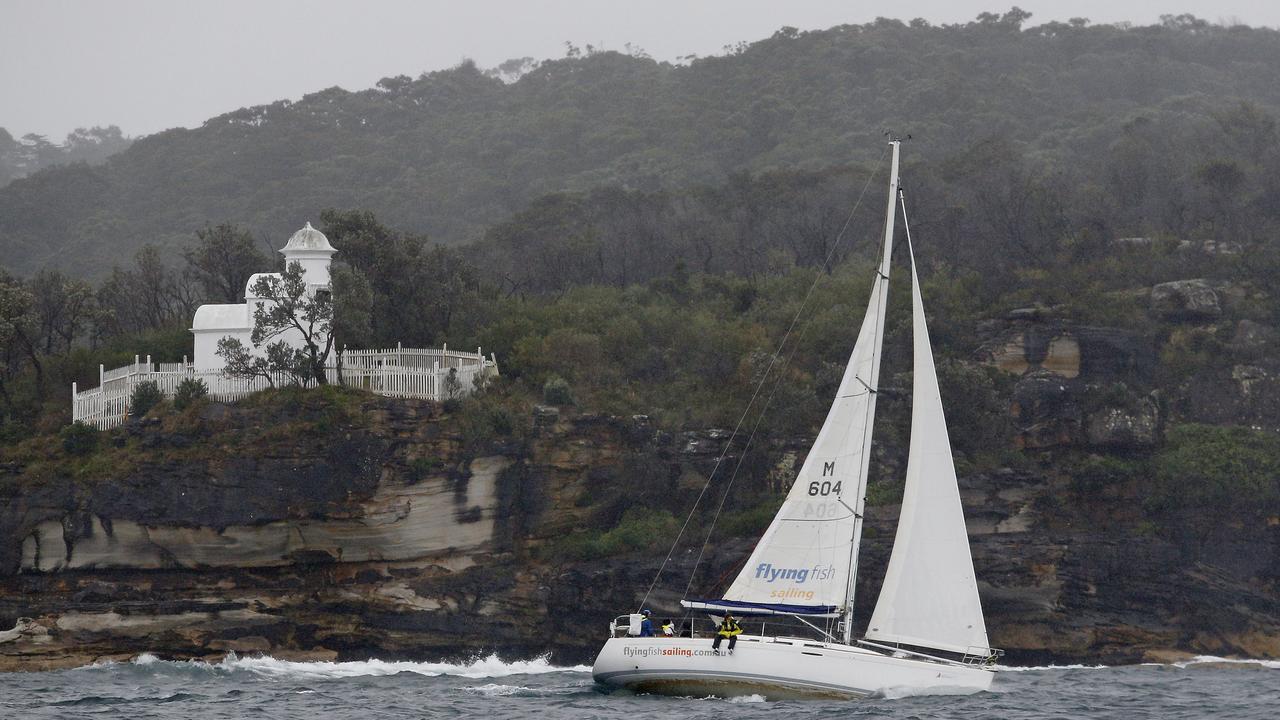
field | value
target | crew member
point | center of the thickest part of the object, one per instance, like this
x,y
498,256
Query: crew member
x,y
646,625
729,628
668,629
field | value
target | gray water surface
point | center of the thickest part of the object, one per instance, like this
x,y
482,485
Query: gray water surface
x,y
263,687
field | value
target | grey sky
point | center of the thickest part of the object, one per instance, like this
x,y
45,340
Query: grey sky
x,y
147,65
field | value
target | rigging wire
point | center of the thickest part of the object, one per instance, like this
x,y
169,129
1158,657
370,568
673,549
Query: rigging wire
x,y
772,361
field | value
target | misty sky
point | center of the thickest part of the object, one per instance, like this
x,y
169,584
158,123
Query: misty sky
x,y
147,65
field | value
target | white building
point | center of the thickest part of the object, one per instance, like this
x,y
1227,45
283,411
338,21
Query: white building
x,y
311,249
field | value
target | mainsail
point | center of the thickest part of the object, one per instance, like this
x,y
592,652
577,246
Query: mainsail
x,y
930,594
808,555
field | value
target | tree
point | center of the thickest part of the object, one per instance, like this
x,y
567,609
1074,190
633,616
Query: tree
x,y
149,296
222,261
393,287
287,307
18,341
240,362
64,307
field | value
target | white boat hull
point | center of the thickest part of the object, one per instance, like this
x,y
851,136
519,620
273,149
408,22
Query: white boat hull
x,y
776,668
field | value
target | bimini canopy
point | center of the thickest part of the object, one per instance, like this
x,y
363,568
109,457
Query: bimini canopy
x,y
749,608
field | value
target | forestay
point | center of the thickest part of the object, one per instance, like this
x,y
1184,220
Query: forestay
x,y
930,594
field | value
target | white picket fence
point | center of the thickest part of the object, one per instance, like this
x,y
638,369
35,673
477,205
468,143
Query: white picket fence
x,y
426,373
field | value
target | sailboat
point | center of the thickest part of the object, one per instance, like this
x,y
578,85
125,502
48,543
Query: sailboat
x,y
926,631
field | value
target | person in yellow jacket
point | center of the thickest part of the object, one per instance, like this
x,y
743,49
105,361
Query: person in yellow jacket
x,y
729,628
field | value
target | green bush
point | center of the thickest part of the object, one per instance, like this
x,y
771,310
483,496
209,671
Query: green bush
x,y
189,391
146,395
1230,471
420,468
884,491
1096,473
751,522
79,438
641,529
555,391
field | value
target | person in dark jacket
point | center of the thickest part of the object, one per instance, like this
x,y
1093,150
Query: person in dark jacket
x,y
646,625
729,628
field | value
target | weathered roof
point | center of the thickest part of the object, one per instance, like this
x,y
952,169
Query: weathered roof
x,y
308,238
221,317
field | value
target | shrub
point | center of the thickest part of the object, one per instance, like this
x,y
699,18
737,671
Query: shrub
x,y
189,391
750,522
420,468
639,529
1094,474
79,438
452,385
555,391
146,395
1225,471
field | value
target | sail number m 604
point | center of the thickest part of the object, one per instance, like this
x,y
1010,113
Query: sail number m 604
x,y
826,487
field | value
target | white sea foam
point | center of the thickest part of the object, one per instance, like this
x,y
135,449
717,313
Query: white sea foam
x,y
488,667
494,690
146,659
1197,660
269,667
1204,659
747,699
1015,668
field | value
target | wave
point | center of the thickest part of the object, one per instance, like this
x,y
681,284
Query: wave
x,y
268,667
1018,668
1182,664
493,690
1211,659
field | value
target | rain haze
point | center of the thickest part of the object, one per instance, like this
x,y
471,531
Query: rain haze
x,y
148,65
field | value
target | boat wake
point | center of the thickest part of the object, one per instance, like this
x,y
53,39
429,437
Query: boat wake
x,y
265,666
1182,664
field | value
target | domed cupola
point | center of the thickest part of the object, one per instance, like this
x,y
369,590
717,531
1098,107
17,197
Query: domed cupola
x,y
310,247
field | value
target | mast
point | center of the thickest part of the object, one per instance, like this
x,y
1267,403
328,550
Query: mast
x,y
872,383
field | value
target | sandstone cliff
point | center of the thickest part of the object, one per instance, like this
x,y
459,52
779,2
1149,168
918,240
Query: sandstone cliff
x,y
340,525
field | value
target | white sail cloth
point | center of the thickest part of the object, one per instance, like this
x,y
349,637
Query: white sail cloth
x,y
804,557
930,594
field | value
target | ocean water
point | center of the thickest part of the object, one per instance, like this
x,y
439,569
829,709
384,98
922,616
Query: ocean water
x,y
263,687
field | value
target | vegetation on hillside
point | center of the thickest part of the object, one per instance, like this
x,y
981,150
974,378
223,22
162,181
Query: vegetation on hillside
x,y
644,235
20,157
1018,109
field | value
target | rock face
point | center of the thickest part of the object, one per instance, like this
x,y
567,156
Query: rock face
x,y
393,534
1069,351
1068,376
1136,426
1186,300
1253,338
400,521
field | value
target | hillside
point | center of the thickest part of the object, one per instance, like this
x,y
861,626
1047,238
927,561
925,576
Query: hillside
x,y
453,152
32,153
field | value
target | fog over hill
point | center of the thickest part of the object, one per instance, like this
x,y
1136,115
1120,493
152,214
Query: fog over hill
x,y
453,152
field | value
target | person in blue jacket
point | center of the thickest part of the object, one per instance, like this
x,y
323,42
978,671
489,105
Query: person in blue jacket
x,y
646,625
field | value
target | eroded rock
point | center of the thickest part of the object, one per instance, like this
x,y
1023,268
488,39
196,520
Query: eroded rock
x,y
1186,300
1125,427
